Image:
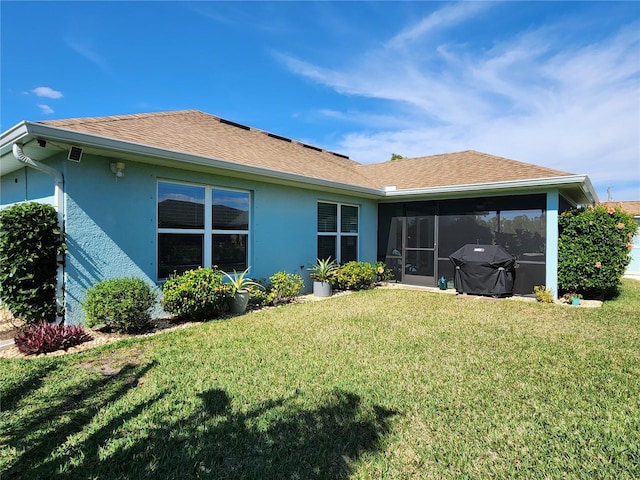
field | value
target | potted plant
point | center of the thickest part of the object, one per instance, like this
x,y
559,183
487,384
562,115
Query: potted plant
x,y
240,285
322,272
572,298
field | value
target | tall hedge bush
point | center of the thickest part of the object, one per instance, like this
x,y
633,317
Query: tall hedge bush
x,y
30,242
594,248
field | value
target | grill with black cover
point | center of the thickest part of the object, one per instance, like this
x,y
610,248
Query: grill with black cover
x,y
483,270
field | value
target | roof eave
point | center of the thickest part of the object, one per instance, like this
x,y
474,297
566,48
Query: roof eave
x,y
12,135
568,181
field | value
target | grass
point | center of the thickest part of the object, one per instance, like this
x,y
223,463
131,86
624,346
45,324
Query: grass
x,y
379,384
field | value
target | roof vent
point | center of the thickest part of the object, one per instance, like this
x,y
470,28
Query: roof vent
x,y
311,147
75,154
234,124
340,155
284,139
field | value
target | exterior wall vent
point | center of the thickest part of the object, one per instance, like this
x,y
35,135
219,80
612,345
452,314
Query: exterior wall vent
x,y
75,154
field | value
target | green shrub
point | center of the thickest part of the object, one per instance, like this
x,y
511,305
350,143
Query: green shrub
x,y
197,294
543,294
354,276
594,249
259,296
285,287
383,273
121,304
30,242
43,337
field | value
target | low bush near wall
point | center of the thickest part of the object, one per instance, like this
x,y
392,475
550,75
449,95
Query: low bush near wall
x,y
543,294
43,337
383,272
30,242
594,248
354,276
284,288
197,294
121,304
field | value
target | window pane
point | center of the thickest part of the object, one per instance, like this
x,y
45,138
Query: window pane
x,y
457,230
419,262
180,206
348,219
327,218
229,251
348,249
178,253
523,233
230,210
326,246
420,232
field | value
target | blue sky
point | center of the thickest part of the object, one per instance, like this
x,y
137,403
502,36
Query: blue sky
x,y
551,83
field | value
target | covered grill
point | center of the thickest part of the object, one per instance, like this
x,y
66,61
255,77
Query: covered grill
x,y
483,270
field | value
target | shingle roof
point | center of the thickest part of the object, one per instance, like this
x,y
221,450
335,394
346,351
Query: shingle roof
x,y
460,168
198,133
632,207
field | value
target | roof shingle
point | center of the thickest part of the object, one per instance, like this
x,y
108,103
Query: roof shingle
x,y
198,133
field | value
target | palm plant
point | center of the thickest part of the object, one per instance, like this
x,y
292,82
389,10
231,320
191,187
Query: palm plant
x,y
240,281
323,270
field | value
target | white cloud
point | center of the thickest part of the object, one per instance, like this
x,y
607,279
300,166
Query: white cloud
x,y
446,17
45,109
538,96
87,52
47,92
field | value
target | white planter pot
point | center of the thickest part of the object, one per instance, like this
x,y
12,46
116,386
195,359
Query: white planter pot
x,y
321,289
239,301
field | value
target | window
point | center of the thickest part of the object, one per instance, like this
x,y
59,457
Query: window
x,y
340,243
230,217
201,226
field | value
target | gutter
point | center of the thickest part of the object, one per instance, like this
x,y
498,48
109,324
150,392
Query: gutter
x,y
58,205
580,180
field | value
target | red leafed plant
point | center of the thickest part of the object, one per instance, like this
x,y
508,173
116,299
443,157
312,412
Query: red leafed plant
x,y
45,337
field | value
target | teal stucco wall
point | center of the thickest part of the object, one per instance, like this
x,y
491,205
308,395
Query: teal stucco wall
x,y
111,224
26,184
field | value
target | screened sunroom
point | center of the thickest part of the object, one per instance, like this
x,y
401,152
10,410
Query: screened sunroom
x,y
416,238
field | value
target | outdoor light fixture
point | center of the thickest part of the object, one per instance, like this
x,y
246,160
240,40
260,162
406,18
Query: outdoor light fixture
x,y
118,169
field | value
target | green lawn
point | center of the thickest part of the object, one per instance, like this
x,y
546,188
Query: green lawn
x,y
386,383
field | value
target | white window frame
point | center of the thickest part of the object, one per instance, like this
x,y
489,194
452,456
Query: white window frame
x,y
208,231
338,234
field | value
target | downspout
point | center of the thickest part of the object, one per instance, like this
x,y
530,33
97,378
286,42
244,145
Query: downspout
x,y
58,205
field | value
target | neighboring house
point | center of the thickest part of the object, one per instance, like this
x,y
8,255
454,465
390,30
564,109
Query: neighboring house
x,y
151,194
633,208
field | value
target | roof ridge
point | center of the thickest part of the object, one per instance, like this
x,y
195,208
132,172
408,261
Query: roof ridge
x,y
469,152
120,117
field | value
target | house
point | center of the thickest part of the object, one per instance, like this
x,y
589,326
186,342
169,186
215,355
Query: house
x,y
633,208
151,194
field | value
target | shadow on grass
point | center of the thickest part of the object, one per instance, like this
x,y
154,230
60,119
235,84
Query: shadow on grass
x,y
281,439
66,411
